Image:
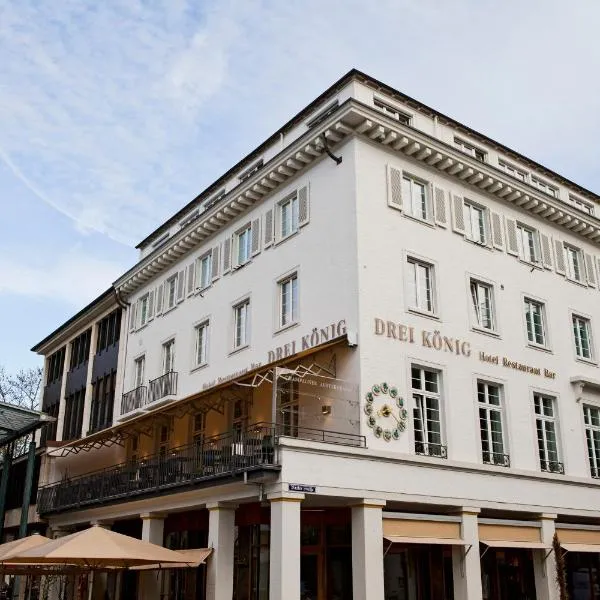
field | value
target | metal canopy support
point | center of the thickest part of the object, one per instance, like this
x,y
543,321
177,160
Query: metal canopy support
x,y
6,465
27,490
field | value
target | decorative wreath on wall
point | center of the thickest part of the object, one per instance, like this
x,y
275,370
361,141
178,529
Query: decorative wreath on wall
x,y
383,402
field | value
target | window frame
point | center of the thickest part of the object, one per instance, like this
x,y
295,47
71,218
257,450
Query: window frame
x,y
168,343
143,303
535,244
137,382
485,222
545,187
246,341
411,282
573,251
292,200
407,205
200,285
593,461
439,397
391,111
475,324
470,149
246,230
172,280
590,337
582,205
555,420
488,407
545,345
203,324
509,169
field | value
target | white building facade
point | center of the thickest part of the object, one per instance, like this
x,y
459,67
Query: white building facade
x,y
363,364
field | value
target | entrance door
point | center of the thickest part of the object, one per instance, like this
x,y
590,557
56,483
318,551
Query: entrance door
x,y
310,577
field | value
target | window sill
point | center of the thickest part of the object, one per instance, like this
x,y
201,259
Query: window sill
x,y
535,265
488,332
241,266
141,327
483,245
286,328
199,291
586,361
168,310
422,313
426,222
280,240
574,281
239,349
198,368
534,346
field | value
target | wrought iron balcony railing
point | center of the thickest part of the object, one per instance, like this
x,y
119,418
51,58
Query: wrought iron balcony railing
x,y
134,399
428,449
165,385
553,466
496,458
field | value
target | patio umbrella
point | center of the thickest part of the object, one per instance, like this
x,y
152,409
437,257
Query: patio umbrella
x,y
196,557
99,548
9,549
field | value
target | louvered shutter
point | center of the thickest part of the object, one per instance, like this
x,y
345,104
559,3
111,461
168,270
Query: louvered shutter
x,y
132,313
497,237
394,187
458,214
150,305
546,251
255,234
214,263
559,254
512,246
303,206
227,256
181,286
159,299
590,271
191,278
441,217
269,228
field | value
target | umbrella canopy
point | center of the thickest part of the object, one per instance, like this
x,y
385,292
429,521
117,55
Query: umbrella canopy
x,y
196,557
9,549
99,548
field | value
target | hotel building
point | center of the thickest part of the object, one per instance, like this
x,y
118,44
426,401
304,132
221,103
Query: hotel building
x,y
362,364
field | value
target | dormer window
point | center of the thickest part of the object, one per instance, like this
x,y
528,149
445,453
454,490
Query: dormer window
x,y
255,168
391,111
469,149
581,205
544,187
323,115
512,170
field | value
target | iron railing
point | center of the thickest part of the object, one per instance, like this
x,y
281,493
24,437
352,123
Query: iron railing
x,y
226,455
428,449
165,385
553,466
496,458
134,399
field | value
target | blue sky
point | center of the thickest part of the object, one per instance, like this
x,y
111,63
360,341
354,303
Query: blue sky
x,y
115,114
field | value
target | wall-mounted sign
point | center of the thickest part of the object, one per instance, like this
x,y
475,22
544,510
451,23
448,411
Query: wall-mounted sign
x,y
300,487
385,411
442,343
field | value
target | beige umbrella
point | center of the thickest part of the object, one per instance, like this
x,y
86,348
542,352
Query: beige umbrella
x,y
9,549
195,556
99,548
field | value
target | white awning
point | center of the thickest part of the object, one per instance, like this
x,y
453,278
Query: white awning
x,y
515,544
396,539
581,547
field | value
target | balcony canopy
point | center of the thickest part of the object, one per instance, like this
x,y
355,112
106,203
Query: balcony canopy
x,y
17,421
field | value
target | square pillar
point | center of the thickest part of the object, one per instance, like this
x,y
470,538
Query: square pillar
x,y
544,569
89,388
367,550
221,538
466,565
284,556
153,525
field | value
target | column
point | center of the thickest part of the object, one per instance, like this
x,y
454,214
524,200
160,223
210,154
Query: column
x,y
367,550
466,566
153,525
63,388
98,581
89,388
221,538
545,568
284,555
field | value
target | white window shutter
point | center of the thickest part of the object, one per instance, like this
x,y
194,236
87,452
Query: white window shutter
x,y
512,246
150,305
303,206
255,233
159,299
227,256
269,228
394,187
441,216
214,263
589,269
497,237
132,311
191,279
181,286
546,251
559,253
458,214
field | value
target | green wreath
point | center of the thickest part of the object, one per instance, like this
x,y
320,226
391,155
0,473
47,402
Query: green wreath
x,y
386,412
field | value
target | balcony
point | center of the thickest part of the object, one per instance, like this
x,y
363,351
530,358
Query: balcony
x,y
134,400
251,453
429,449
496,458
553,466
162,389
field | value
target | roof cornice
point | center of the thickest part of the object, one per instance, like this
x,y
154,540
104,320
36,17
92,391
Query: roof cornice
x,y
354,118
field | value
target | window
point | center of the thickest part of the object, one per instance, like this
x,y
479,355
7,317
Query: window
x,y
164,433
546,427
420,286
73,418
139,368
475,223
288,210
243,242
204,271
201,344
199,428
288,301
582,336
482,303
241,314
591,417
80,350
289,397
391,111
168,353
239,418
513,171
55,366
527,243
109,331
171,292
581,205
490,424
427,412
469,149
574,263
252,170
103,399
535,322
414,198
143,309
544,187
